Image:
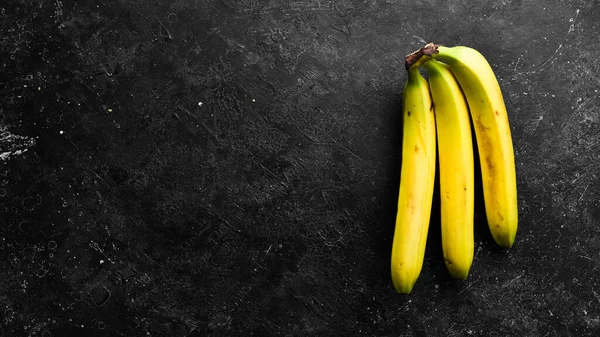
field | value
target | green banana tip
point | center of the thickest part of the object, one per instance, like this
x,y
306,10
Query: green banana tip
x,y
420,56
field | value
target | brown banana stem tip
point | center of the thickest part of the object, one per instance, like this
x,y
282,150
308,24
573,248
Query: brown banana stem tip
x,y
427,51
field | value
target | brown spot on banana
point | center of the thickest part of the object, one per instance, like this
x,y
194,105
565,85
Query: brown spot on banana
x,y
485,142
499,237
490,165
480,125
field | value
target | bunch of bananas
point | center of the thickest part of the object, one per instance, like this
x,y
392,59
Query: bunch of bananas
x,y
462,87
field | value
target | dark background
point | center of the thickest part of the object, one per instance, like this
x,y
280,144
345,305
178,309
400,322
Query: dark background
x,y
231,168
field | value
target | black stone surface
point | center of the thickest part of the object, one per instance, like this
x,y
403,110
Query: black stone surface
x,y
230,168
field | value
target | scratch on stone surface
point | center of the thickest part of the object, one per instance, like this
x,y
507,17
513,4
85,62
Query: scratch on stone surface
x,y
512,281
587,257
572,20
534,123
268,250
596,295
579,177
312,5
164,32
583,193
545,174
148,257
306,135
393,54
269,172
587,72
517,63
544,215
13,145
467,287
559,235
345,148
344,30
592,145
59,10
419,38
414,35
553,56
584,105
299,6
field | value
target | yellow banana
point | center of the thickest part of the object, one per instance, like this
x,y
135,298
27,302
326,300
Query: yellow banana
x,y
455,153
416,183
492,131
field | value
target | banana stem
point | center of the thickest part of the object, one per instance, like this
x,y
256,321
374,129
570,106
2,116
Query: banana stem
x,y
418,57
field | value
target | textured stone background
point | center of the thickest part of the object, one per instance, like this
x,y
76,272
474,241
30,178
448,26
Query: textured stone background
x,y
230,168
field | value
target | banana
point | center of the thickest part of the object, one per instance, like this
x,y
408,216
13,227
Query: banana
x,y
493,135
455,153
416,182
